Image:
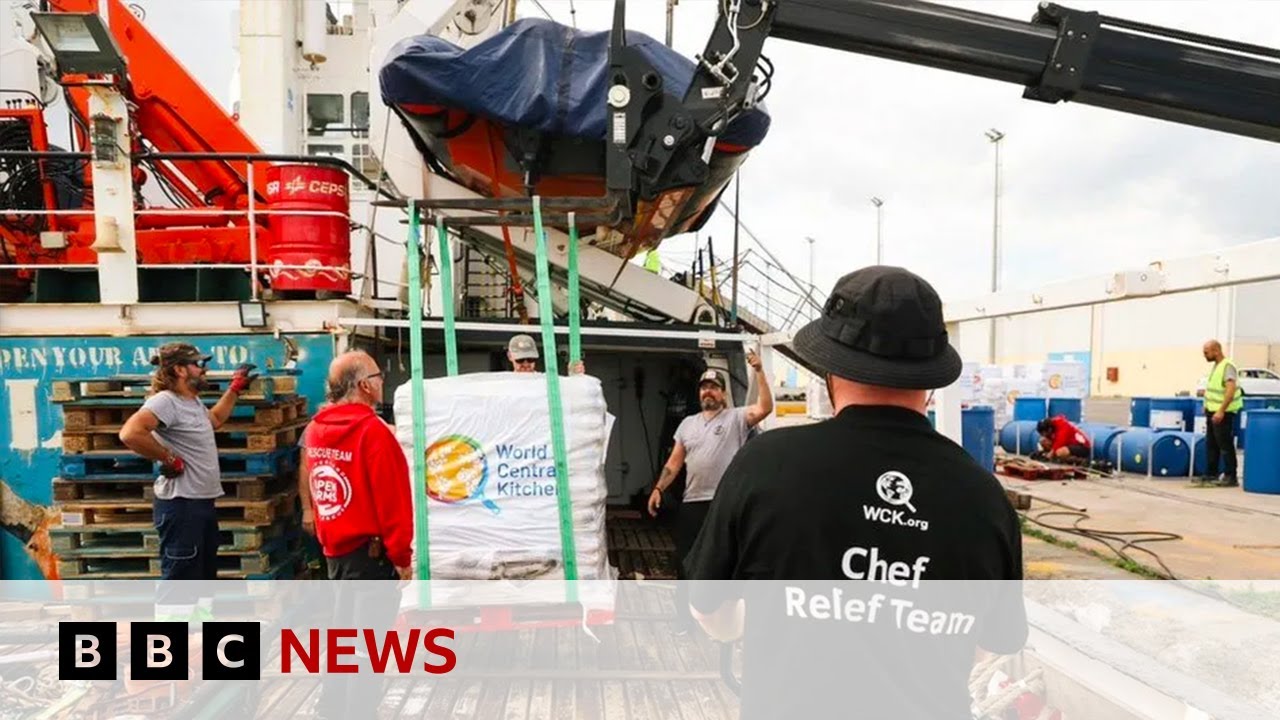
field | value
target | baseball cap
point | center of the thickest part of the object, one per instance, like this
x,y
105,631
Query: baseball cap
x,y
710,376
179,353
522,347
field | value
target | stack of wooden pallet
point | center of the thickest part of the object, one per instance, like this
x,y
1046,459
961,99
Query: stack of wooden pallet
x,y
105,492
638,546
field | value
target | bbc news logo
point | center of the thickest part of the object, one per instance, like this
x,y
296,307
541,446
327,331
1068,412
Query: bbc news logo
x,y
159,651
233,651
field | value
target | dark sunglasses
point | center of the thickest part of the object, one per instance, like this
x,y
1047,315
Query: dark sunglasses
x,y
202,363
374,375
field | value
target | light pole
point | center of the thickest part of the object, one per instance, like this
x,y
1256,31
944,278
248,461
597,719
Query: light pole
x,y
879,226
995,136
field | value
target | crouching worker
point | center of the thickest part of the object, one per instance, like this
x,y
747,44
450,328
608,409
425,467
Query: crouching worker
x,y
1062,441
354,483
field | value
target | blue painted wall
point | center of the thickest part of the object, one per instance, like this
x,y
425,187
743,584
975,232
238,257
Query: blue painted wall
x,y
30,366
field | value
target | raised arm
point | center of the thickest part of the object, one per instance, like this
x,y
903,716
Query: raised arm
x,y
240,381
764,403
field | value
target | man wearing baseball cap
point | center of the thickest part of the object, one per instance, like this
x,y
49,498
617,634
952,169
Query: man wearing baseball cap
x,y
522,353
705,443
175,428
873,495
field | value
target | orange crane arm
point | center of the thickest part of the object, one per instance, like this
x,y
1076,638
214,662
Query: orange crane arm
x,y
173,112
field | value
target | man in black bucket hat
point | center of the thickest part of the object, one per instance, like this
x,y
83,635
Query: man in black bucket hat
x,y
873,495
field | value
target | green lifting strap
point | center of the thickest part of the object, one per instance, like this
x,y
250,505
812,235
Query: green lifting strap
x,y
575,305
546,318
413,261
446,300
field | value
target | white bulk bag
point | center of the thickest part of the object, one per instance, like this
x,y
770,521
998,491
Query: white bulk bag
x,y
492,509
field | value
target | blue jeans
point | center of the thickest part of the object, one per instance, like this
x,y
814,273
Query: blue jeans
x,y
188,539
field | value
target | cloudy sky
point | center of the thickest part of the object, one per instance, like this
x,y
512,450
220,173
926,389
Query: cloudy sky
x,y
1085,190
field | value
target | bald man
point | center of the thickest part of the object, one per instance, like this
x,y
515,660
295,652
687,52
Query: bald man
x,y
1223,402
354,480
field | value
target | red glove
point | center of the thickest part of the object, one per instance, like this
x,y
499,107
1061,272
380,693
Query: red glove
x,y
243,376
173,467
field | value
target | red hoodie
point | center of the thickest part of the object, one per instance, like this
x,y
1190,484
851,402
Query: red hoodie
x,y
359,482
1065,434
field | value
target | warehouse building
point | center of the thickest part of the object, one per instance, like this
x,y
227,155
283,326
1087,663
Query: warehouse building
x,y
1148,346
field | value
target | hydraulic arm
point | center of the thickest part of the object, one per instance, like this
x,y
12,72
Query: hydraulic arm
x,y
1060,55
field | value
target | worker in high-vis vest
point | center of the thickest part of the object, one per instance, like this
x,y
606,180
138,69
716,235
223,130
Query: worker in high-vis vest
x,y
1223,401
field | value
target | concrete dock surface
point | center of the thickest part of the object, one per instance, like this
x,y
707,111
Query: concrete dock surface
x,y
1221,533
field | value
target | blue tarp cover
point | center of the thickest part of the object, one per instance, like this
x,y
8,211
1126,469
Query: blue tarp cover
x,y
536,74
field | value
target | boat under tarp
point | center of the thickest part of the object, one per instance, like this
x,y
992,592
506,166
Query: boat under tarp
x,y
538,87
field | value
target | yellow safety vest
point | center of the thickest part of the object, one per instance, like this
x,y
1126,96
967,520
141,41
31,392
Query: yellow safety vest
x,y
652,262
1216,390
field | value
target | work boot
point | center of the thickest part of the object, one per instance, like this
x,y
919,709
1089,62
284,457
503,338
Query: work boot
x,y
1228,481
1204,481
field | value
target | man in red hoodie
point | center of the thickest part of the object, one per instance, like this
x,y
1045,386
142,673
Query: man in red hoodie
x,y
1063,441
356,491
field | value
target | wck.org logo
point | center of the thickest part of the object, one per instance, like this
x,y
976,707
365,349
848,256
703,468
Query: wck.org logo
x,y
895,489
160,651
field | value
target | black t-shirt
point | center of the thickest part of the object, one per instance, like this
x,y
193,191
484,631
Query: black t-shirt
x,y
848,530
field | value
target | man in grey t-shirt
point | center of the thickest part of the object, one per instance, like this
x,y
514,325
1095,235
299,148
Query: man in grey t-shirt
x,y
705,444
176,429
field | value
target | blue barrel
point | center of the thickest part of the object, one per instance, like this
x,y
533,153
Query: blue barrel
x,y
1172,454
1167,406
1019,437
1140,412
1029,408
978,434
1262,467
1072,408
1191,409
1101,438
1130,451
1165,453
1242,417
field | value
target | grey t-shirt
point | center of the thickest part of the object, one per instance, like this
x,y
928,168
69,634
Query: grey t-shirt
x,y
185,428
709,445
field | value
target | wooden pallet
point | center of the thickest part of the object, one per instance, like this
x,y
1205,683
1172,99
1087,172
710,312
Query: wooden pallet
x,y
638,546
138,538
234,564
112,415
231,436
118,465
131,512
230,568
241,487
127,387
1033,470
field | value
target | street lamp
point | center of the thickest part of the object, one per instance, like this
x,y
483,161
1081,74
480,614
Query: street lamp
x,y
80,42
995,136
879,225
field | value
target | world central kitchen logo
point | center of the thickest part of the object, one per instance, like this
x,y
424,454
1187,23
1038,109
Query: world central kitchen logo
x,y
458,471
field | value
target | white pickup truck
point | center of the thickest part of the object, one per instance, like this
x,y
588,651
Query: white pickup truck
x,y
1255,382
